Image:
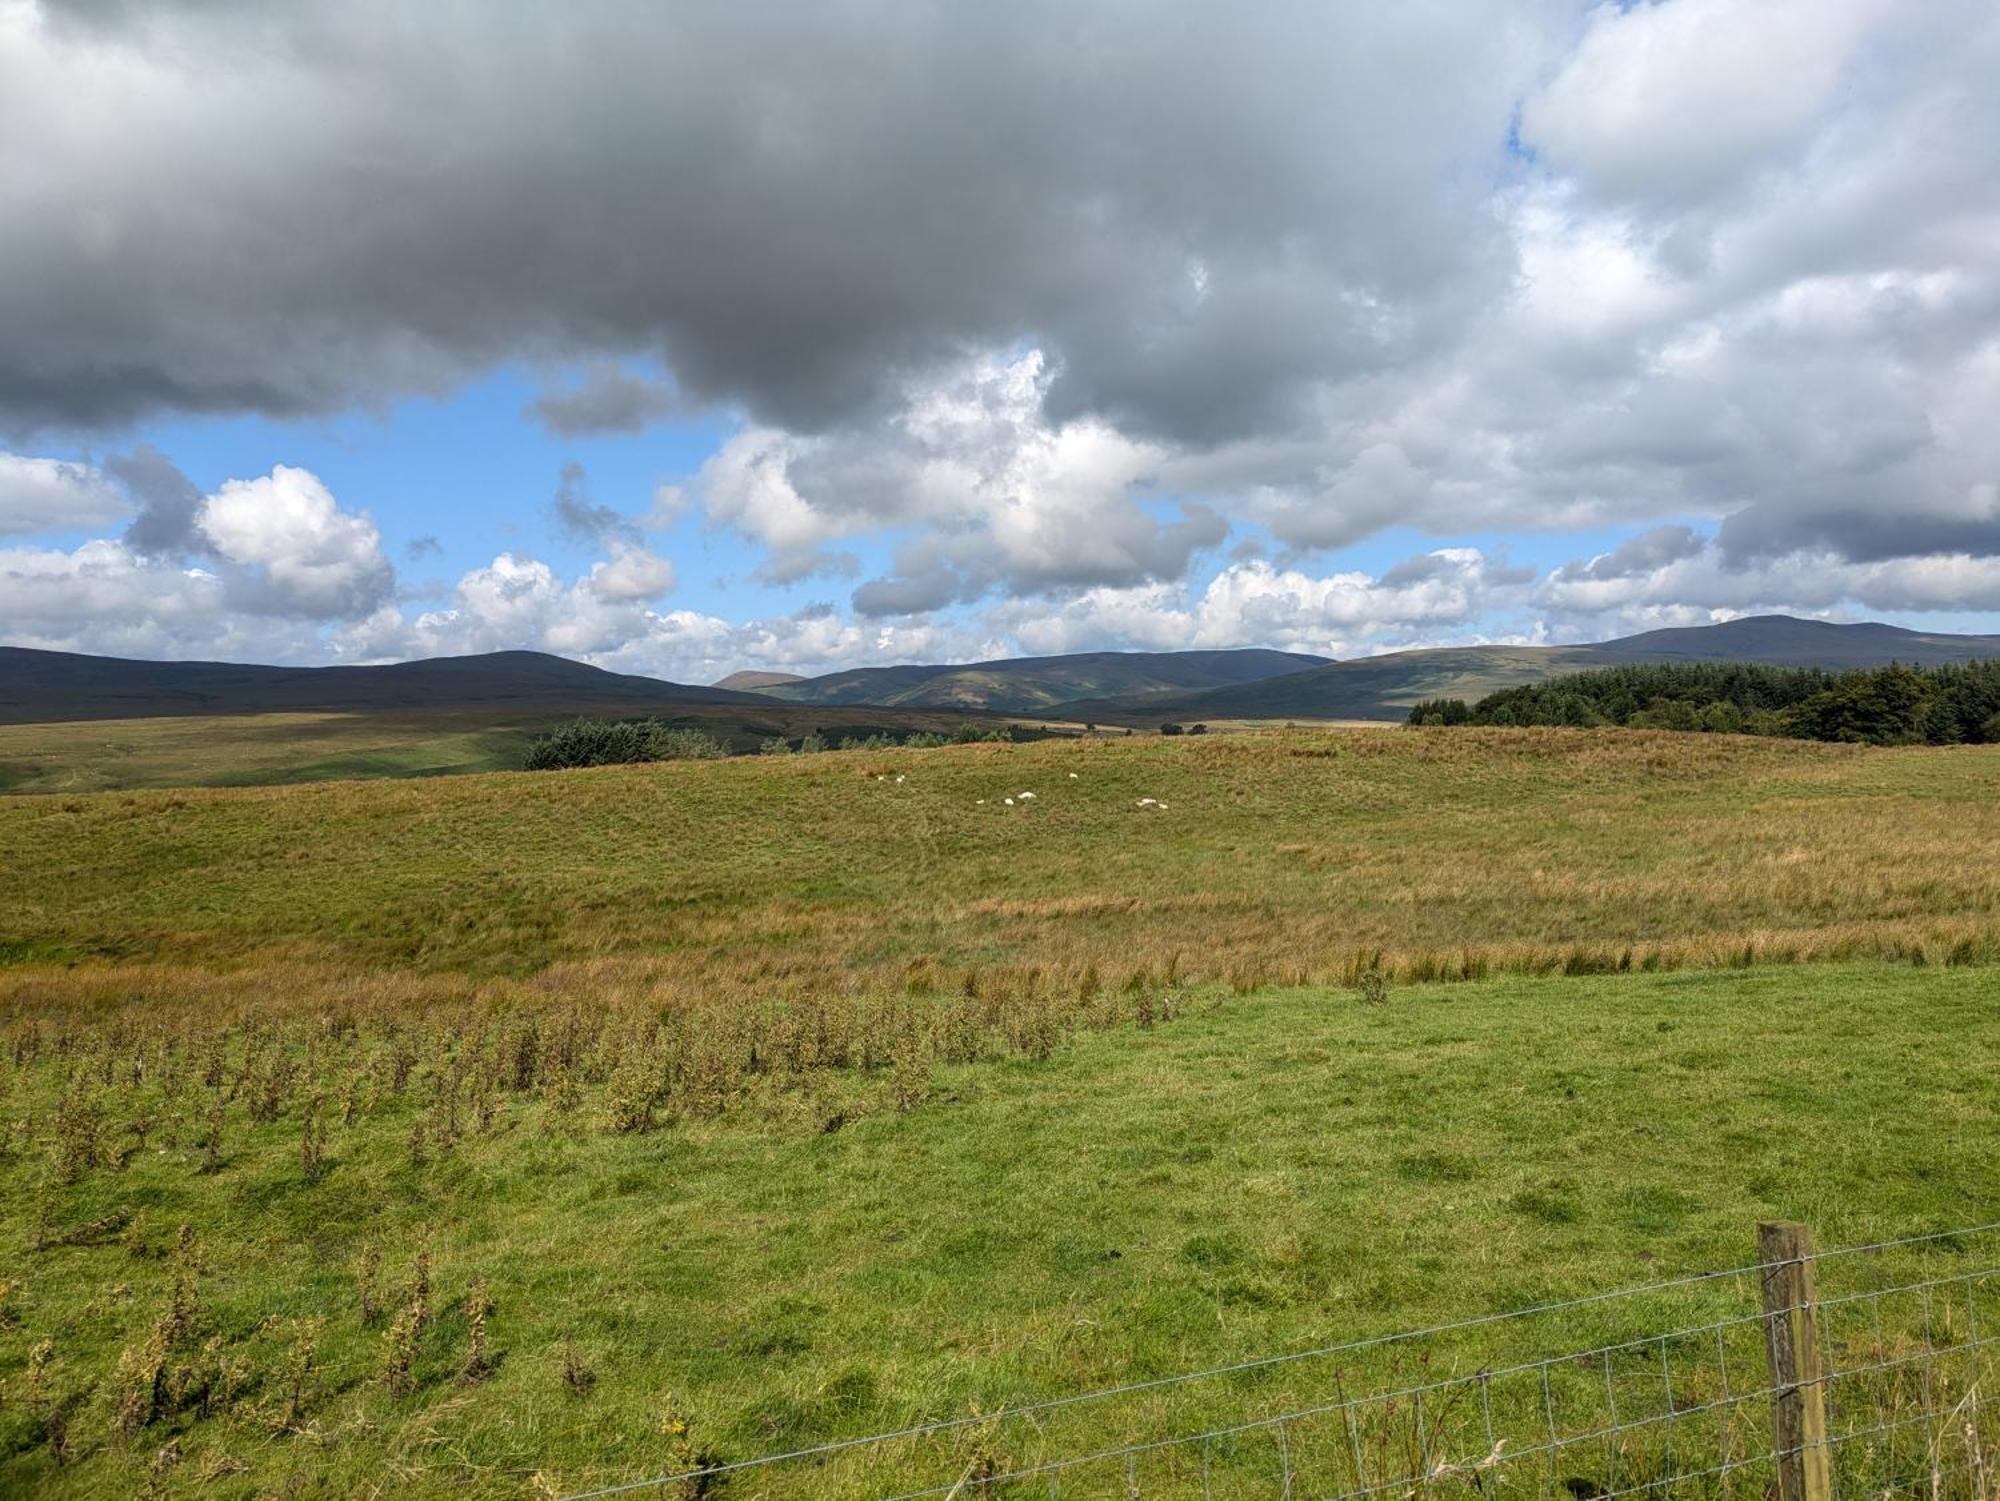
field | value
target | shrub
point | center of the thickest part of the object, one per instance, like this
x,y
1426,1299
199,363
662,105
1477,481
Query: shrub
x,y
590,742
1440,711
686,745
620,742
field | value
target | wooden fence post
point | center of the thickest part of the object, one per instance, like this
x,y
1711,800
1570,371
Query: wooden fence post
x,y
1798,1380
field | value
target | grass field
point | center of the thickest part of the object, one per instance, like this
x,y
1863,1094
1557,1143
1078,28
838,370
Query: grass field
x,y
1294,857
1256,1174
248,750
774,1100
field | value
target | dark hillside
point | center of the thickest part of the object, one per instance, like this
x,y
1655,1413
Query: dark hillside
x,y
38,686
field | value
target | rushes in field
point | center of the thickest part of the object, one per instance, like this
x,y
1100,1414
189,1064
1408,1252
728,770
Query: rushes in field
x,y
404,1336
524,1054
628,1103
183,1309
561,1094
367,1280
51,1416
146,1388
79,1123
478,1359
268,1089
312,1143
141,1382
301,1372
211,1140
215,1059
418,1298
400,1341
402,1059
577,1376
910,1067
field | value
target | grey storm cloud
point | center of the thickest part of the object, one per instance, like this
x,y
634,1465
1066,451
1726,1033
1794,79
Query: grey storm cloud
x,y
581,518
609,399
1644,553
168,520
1013,287
1867,533
793,212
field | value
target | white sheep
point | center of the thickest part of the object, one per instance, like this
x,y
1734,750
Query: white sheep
x,y
1072,776
1008,801
1025,796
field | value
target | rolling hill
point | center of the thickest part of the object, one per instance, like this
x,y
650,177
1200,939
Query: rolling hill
x,y
1385,687
1028,685
42,686
71,723
756,682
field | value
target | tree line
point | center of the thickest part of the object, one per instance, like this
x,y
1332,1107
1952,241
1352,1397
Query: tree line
x,y
1954,704
625,742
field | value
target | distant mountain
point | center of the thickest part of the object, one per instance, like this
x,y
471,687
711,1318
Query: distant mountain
x,y
39,686
1133,688
1385,687
1031,685
751,682
1786,641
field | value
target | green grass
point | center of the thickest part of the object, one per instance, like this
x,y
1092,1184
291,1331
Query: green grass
x,y
250,750
772,955
115,755
1285,856
1259,1174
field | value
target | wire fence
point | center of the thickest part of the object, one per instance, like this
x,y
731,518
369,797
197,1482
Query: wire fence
x,y
1664,1390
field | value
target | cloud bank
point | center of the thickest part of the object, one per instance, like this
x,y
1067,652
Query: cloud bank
x,y
1055,302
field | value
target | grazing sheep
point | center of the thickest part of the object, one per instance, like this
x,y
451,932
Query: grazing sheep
x,y
1008,801
1072,776
1025,796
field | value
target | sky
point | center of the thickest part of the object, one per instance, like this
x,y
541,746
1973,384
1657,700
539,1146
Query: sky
x,y
693,338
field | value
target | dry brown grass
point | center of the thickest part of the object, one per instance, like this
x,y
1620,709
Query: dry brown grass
x,y
1294,857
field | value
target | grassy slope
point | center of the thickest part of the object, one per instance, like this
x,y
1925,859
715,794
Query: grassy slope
x,y
1260,1174
257,749
1384,687
1271,1170
1380,688
1033,684
1280,855
41,686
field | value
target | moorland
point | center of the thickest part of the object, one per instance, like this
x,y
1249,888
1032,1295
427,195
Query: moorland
x,y
523,1132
